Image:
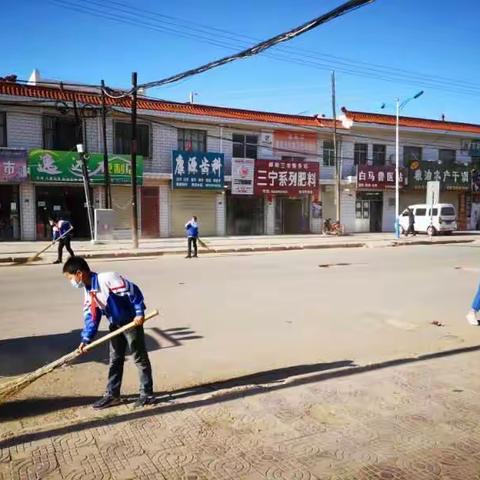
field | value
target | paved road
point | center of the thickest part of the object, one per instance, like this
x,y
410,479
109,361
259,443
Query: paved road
x,y
224,316
233,315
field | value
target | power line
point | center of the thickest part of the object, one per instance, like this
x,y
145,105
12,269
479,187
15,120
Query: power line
x,y
126,14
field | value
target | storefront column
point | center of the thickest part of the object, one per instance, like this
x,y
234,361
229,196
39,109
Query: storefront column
x,y
27,211
270,215
221,213
315,223
99,197
164,199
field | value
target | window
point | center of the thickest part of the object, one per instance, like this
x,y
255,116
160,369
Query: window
x,y
420,212
61,133
379,154
3,129
448,211
244,146
433,212
411,154
123,138
328,154
360,153
192,140
446,156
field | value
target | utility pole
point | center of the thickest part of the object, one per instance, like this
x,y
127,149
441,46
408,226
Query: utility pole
x,y
134,162
108,195
86,187
338,172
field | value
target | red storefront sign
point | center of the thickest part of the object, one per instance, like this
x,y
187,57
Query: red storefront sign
x,y
13,165
292,178
378,177
295,143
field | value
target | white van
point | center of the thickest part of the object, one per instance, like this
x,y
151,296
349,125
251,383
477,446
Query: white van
x,y
431,219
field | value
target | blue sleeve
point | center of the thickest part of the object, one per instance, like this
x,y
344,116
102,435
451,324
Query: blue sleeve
x,y
91,323
476,301
138,301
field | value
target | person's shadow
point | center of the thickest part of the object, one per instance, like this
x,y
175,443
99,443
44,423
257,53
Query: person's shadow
x,y
24,354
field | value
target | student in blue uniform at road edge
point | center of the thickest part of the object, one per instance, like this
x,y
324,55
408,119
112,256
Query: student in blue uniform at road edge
x,y
191,227
61,230
121,301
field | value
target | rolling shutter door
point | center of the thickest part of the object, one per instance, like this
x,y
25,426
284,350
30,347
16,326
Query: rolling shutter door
x,y
122,204
186,203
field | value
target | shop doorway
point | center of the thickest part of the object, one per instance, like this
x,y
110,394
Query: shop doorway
x,y
371,205
292,215
150,212
245,215
9,213
65,202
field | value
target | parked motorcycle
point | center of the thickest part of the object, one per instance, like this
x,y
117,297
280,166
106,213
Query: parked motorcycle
x,y
332,228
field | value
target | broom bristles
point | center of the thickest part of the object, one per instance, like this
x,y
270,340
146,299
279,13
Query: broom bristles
x,y
12,387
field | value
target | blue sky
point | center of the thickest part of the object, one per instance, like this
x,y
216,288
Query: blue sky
x,y
429,45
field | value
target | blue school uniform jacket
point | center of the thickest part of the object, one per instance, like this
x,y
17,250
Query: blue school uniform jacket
x,y
112,295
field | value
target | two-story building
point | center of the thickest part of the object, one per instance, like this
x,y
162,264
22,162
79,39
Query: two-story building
x,y
428,150
240,171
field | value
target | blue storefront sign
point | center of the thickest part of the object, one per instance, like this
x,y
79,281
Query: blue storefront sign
x,y
198,170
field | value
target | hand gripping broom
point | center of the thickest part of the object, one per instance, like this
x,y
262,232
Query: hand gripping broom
x,y
12,387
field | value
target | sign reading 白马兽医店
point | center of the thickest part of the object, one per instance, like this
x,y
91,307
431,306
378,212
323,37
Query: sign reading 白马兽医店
x,y
13,165
292,178
295,144
55,166
378,177
242,176
198,170
454,177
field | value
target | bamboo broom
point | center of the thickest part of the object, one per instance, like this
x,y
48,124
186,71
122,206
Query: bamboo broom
x,y
44,249
12,387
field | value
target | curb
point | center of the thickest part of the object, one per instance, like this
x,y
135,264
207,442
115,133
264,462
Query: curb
x,y
276,248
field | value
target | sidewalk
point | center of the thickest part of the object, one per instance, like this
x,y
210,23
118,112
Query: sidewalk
x,y
18,251
413,421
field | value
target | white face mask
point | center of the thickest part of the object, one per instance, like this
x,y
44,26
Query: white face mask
x,y
76,284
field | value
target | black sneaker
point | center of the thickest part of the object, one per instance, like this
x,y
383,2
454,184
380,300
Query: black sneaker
x,y
106,401
188,256
144,400
57,261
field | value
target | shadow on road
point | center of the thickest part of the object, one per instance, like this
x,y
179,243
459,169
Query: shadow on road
x,y
22,355
208,394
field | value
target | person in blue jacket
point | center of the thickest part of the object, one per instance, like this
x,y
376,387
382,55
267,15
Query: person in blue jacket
x,y
61,231
121,301
191,227
472,315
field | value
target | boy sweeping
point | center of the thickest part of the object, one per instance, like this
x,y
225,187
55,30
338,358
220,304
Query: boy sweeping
x,y
121,301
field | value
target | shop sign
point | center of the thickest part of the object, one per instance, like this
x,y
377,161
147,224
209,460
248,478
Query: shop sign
x,y
63,167
13,165
455,177
378,177
198,170
295,143
292,178
242,176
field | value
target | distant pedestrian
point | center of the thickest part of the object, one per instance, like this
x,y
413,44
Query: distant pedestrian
x,y
411,223
191,228
121,301
61,231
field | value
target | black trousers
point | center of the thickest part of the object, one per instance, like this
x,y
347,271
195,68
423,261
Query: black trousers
x,y
192,241
134,339
64,242
411,230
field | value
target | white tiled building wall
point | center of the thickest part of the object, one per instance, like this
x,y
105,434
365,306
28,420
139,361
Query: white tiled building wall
x,y
27,211
270,216
164,199
221,213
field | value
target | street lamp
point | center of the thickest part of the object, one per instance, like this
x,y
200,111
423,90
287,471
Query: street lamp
x,y
86,186
399,107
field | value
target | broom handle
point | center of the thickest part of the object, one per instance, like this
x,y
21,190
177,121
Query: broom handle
x,y
69,357
120,330
51,244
